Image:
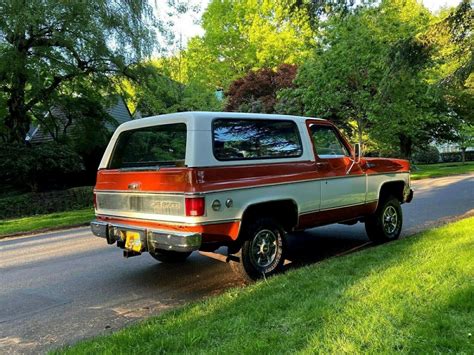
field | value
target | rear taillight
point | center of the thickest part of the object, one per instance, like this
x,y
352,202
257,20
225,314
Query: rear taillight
x,y
95,201
194,206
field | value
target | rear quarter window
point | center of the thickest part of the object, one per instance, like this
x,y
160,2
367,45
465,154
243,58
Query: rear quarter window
x,y
156,146
246,139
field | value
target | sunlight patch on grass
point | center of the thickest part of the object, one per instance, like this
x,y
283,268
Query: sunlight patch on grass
x,y
53,220
442,169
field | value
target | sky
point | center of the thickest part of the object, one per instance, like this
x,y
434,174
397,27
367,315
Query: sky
x,y
435,5
187,25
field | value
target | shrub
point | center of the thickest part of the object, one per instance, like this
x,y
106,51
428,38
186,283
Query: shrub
x,y
37,166
33,203
426,155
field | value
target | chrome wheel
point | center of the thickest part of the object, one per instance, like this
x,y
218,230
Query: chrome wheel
x,y
264,248
390,219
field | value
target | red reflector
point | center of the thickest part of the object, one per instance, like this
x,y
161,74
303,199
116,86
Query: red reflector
x,y
194,206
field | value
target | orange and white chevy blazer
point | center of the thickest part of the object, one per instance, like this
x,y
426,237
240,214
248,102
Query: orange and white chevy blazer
x,y
176,183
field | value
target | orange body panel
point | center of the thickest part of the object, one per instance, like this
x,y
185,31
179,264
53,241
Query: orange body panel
x,y
219,232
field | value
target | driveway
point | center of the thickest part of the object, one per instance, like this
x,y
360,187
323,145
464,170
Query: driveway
x,y
57,288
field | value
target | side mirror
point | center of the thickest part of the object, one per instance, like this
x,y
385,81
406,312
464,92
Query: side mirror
x,y
357,152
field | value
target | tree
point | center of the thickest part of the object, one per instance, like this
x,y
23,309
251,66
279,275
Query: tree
x,y
372,72
46,44
455,33
257,91
246,35
159,88
465,139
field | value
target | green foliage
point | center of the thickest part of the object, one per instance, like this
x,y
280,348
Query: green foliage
x,y
457,156
160,88
246,35
375,69
37,166
49,47
451,157
90,134
33,203
426,155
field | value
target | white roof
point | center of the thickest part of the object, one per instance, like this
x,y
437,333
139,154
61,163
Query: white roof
x,y
203,116
201,124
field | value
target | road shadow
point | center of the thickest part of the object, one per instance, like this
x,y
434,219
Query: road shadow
x,y
322,243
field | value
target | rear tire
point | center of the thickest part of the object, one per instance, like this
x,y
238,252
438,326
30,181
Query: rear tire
x,y
262,252
386,223
170,257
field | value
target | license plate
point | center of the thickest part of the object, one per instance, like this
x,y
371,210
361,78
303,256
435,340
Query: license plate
x,y
133,241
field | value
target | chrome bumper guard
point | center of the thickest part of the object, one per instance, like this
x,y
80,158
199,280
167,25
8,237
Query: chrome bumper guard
x,y
151,238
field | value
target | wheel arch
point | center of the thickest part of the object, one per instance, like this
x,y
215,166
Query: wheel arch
x,y
285,210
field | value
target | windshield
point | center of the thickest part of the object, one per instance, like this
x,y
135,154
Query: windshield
x,y
150,147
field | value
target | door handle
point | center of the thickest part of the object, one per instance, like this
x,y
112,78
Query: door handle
x,y
321,164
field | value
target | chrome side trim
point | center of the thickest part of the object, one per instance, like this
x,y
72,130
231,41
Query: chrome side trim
x,y
336,208
249,187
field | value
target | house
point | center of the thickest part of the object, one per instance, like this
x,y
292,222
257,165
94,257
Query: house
x,y
38,134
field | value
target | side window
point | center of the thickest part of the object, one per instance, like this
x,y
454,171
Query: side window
x,y
327,143
246,139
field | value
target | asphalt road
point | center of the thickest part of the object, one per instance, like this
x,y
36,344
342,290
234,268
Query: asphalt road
x,y
57,288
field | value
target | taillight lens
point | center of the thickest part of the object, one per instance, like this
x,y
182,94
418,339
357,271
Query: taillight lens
x,y
194,206
95,201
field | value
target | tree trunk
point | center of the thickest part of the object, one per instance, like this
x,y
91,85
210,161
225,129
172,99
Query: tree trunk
x,y
463,154
17,120
405,146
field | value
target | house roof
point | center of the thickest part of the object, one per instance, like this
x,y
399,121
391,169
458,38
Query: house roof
x,y
118,111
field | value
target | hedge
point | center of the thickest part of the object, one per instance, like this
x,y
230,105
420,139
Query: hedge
x,y
456,156
34,203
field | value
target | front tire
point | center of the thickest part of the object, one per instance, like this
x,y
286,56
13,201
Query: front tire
x,y
262,252
386,223
170,257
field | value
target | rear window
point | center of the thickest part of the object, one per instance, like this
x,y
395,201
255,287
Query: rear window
x,y
243,139
150,147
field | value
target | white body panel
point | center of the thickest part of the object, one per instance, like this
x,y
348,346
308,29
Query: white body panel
x,y
343,191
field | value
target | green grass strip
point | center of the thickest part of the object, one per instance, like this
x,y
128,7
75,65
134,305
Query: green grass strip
x,y
53,220
414,295
443,169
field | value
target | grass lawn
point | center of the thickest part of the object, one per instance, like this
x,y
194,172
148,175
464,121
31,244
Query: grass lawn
x,y
441,169
414,295
59,219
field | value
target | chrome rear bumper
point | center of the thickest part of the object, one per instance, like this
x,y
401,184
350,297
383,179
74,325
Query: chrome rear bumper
x,y
151,239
